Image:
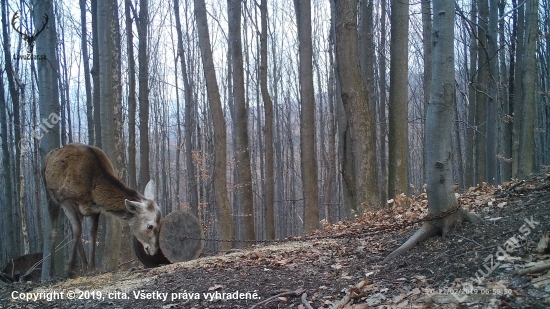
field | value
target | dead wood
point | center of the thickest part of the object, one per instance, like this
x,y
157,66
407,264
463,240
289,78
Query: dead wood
x,y
305,302
534,269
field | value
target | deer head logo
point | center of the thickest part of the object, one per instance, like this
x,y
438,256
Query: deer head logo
x,y
28,38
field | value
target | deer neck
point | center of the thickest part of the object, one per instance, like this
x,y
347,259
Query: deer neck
x,y
110,193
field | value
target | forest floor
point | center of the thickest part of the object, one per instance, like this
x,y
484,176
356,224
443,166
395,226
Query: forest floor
x,y
475,266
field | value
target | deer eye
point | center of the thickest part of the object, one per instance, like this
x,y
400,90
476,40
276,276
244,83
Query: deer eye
x,y
149,227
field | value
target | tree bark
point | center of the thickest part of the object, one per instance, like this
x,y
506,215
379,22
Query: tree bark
x,y
471,134
506,90
518,88
268,130
220,143
527,137
14,94
427,73
398,135
96,95
481,95
244,184
48,99
492,95
355,101
132,172
439,124
143,77
7,208
307,117
87,81
188,125
111,116
382,119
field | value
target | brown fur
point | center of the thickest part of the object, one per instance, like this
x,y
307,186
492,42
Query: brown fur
x,y
81,179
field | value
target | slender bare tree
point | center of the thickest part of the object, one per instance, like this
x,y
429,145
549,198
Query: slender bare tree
x,y
48,100
268,131
244,185
398,135
307,116
527,133
220,137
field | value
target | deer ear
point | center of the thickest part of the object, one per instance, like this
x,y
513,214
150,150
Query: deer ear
x,y
150,190
133,207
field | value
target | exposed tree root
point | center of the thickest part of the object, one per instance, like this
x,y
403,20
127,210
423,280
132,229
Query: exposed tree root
x,y
432,228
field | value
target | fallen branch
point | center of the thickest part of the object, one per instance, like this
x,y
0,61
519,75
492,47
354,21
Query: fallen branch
x,y
354,290
510,190
534,269
288,293
305,302
538,188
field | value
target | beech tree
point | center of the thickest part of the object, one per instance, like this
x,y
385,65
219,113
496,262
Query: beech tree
x,y
307,116
439,123
111,118
398,134
355,102
48,99
241,122
220,141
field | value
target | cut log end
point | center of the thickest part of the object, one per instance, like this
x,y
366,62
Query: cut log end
x,y
177,240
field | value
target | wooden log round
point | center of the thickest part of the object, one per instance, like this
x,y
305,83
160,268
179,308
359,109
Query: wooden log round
x,y
174,246
173,238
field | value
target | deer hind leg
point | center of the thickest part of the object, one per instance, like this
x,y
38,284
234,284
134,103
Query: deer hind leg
x,y
53,210
76,223
93,238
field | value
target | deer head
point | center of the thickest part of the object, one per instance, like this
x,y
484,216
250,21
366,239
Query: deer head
x,y
28,38
145,219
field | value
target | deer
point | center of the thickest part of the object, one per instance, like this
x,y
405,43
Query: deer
x,y
81,180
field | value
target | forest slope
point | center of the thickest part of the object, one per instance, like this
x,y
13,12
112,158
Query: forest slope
x,y
439,273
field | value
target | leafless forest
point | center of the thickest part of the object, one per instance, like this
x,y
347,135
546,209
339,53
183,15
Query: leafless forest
x,y
263,118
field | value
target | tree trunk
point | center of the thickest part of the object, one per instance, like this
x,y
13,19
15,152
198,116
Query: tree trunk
x,y
220,143
7,208
87,81
439,124
96,95
492,95
355,101
527,133
132,172
481,95
518,88
14,94
143,62
506,91
427,74
244,184
307,117
111,116
398,135
188,125
382,119
268,130
48,99
471,135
